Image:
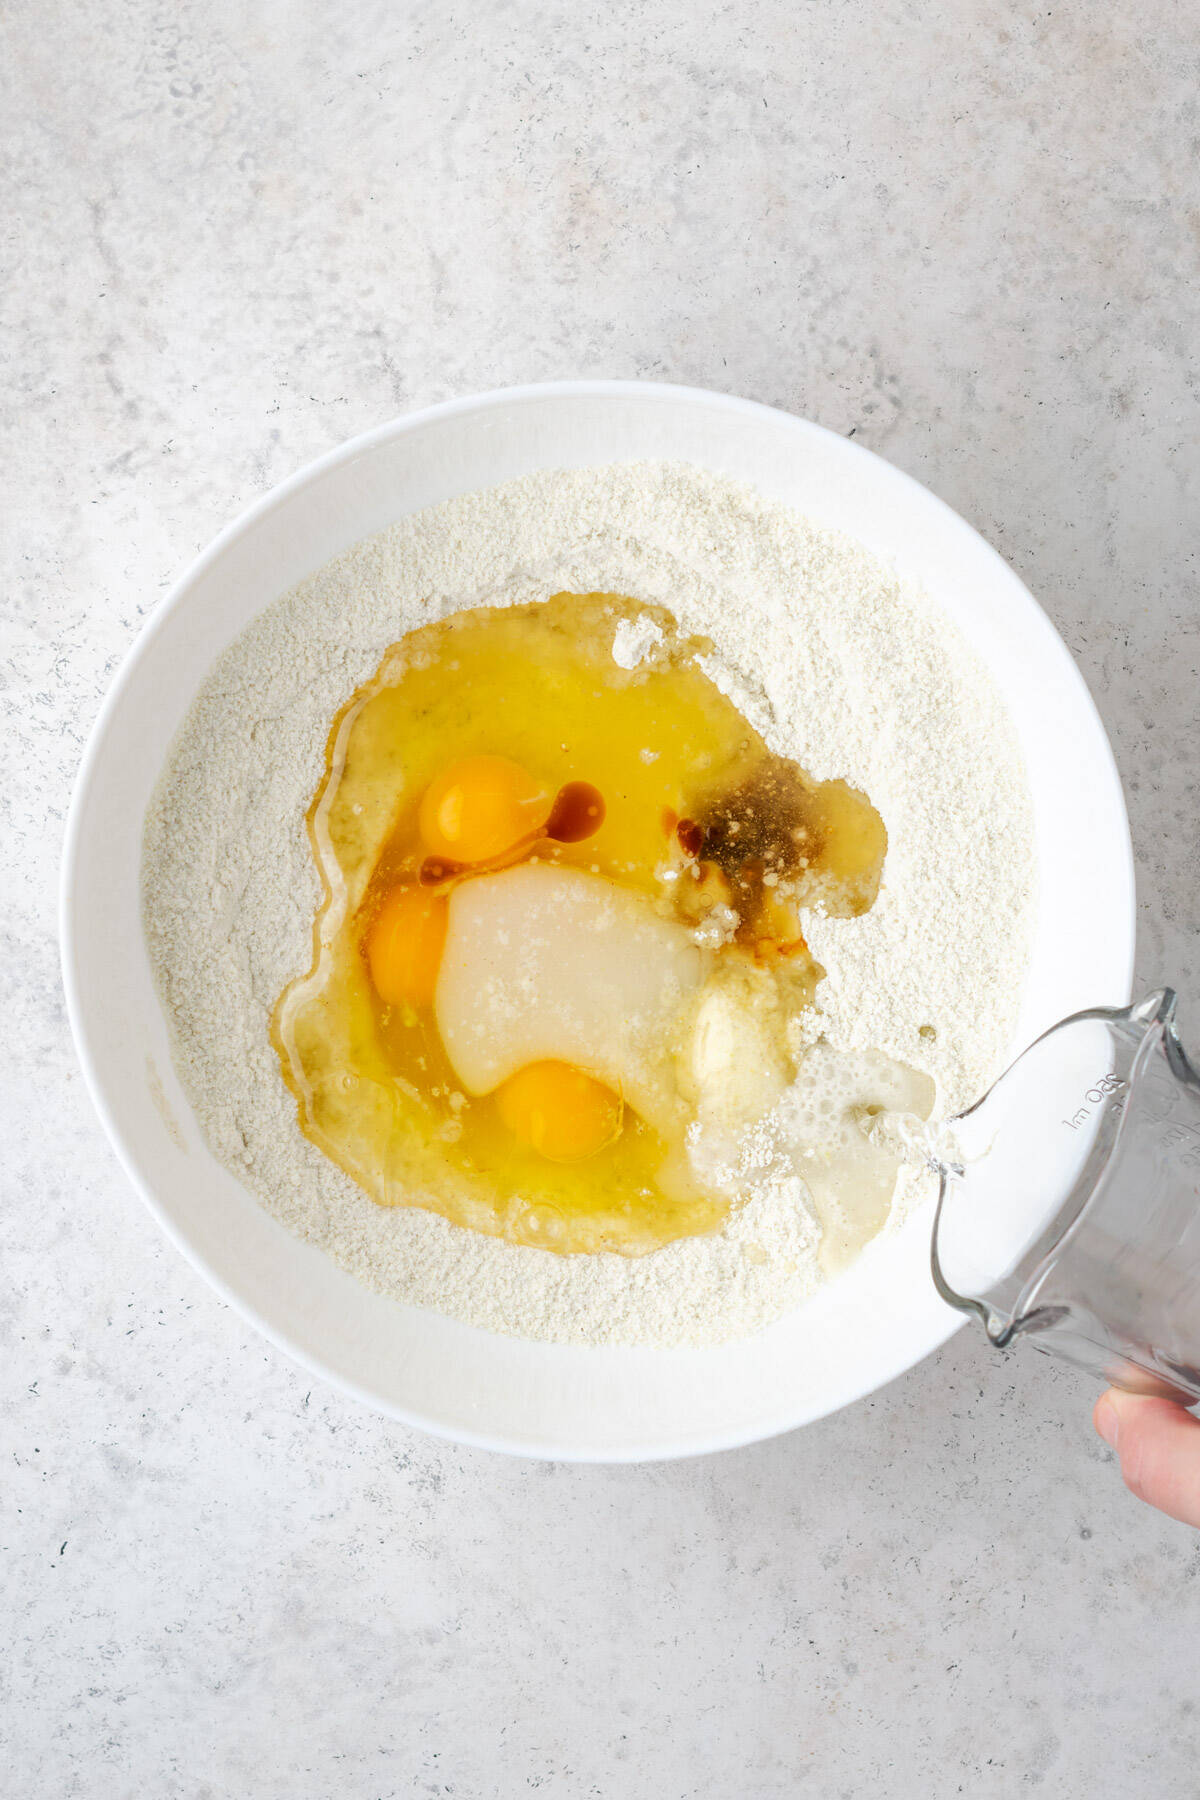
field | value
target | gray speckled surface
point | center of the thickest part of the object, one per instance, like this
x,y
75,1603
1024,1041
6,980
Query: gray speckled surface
x,y
968,234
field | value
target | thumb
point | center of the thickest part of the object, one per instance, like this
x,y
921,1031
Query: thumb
x,y
1158,1445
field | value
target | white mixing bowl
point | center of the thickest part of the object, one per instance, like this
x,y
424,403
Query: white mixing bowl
x,y
537,1399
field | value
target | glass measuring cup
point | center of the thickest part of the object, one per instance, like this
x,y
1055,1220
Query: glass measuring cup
x,y
1069,1209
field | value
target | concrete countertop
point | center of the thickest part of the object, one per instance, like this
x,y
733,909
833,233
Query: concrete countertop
x,y
235,236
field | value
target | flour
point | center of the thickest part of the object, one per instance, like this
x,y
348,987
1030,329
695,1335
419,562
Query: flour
x,y
828,657
634,641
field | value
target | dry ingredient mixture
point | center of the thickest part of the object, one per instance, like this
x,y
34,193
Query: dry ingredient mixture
x,y
869,1004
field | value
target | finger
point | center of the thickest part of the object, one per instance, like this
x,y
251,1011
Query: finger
x,y
1158,1444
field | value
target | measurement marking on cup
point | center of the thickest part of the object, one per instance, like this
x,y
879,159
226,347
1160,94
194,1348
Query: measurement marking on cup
x,y
1186,1139
1108,1084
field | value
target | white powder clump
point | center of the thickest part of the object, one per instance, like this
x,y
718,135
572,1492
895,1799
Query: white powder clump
x,y
635,641
836,664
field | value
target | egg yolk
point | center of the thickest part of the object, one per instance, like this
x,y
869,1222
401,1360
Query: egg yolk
x,y
480,807
404,946
559,1111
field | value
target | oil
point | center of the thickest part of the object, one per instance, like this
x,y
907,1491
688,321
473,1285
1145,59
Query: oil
x,y
649,778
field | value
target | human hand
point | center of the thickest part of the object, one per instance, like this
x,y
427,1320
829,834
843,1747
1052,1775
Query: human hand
x,y
1158,1445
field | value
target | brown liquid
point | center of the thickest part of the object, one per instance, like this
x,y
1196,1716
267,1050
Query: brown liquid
x,y
784,842
577,813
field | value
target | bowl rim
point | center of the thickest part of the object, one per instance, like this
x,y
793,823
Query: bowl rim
x,y
687,1444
